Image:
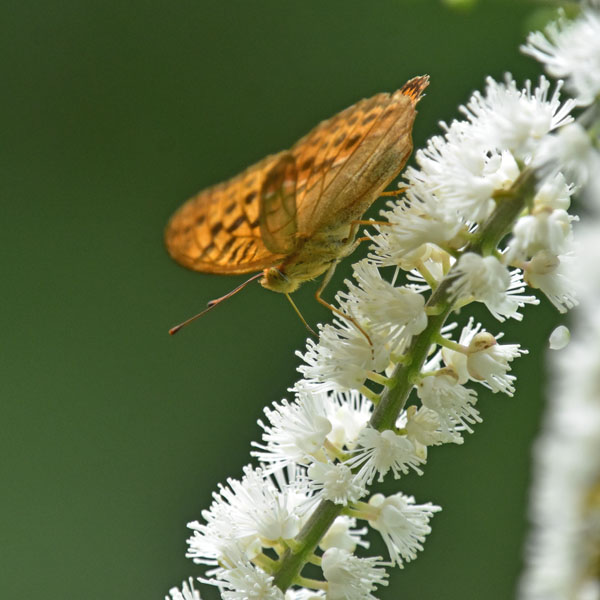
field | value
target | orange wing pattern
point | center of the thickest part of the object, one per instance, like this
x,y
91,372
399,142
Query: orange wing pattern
x,y
322,152
219,230
331,158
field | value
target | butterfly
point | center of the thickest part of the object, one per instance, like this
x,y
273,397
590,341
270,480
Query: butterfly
x,y
295,214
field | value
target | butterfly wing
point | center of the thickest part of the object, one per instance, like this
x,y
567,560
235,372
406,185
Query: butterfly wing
x,y
220,230
329,177
278,206
346,161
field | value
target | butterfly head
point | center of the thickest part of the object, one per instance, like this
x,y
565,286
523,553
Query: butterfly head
x,y
276,280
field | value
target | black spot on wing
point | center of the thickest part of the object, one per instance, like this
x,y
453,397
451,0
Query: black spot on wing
x,y
308,163
340,138
239,221
371,117
353,140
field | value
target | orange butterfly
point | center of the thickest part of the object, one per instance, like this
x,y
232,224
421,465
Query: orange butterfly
x,y
295,214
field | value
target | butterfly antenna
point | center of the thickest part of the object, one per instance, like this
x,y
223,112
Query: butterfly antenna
x,y
312,331
213,303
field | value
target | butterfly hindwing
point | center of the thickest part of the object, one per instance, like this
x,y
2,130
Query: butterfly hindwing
x,y
278,206
219,230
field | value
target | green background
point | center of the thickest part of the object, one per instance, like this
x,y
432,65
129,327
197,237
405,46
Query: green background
x,y
113,433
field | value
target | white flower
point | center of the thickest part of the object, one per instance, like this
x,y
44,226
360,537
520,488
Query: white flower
x,y
249,513
335,482
348,413
451,401
342,535
188,592
553,276
393,313
554,193
239,579
511,119
212,540
402,523
381,451
569,151
350,577
297,431
341,360
545,230
423,428
488,362
457,361
503,170
482,278
571,50
483,360
457,172
487,280
414,224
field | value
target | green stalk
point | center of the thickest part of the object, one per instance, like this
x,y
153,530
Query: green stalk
x,y
305,544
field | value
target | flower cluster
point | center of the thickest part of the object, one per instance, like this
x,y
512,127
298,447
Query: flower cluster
x,y
353,419
563,548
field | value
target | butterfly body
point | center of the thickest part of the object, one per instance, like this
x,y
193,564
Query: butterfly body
x,y
293,214
314,256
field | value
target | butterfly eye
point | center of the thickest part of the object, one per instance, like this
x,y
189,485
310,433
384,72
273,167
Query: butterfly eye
x,y
275,275
276,280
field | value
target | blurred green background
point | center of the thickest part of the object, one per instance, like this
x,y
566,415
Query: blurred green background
x,y
113,433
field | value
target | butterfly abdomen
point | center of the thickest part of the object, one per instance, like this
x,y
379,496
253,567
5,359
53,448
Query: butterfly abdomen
x,y
314,256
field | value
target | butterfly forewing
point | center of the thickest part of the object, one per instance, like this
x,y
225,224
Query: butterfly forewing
x,y
345,145
219,230
327,145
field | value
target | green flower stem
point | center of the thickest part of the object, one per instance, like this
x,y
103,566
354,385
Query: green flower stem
x,y
509,205
442,341
333,450
312,584
381,379
268,565
370,394
393,399
312,532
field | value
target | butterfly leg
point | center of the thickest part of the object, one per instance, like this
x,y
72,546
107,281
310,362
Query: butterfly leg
x,y
354,225
333,309
394,193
